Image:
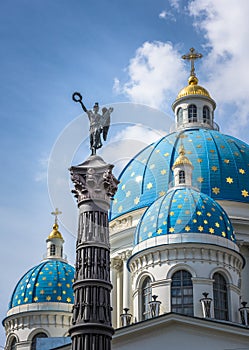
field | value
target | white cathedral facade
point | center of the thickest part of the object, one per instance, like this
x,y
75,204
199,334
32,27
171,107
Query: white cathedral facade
x,y
179,233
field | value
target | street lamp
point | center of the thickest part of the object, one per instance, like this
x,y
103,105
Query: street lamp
x,y
206,305
125,318
154,306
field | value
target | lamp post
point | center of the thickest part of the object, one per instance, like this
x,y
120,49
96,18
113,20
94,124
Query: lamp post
x,y
244,313
125,318
154,306
206,305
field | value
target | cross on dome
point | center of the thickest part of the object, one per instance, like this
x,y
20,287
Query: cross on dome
x,y
56,213
192,56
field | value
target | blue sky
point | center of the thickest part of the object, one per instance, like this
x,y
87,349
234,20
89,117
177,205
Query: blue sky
x,y
114,52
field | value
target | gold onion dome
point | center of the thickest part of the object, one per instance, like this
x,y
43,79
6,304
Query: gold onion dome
x,y
182,159
193,88
55,233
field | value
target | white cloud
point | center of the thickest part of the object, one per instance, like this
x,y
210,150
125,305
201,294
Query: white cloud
x,y
155,74
41,174
225,27
167,15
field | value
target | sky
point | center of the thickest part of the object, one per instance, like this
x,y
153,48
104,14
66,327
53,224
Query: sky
x,y
121,53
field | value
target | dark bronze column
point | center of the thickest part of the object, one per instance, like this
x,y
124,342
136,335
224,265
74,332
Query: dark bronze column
x,y
95,185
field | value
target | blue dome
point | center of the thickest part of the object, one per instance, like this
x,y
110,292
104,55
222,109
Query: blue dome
x,y
184,210
221,169
50,281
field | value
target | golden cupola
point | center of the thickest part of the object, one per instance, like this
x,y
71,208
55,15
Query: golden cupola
x,y
194,106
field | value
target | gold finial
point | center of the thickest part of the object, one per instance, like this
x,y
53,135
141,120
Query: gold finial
x,y
56,213
192,56
181,159
55,233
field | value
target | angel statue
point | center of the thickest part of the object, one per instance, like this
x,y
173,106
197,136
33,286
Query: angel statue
x,y
99,124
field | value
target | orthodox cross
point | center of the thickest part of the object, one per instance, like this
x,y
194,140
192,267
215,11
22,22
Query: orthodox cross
x,y
192,56
56,213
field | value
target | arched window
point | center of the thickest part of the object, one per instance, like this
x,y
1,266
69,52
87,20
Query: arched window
x,y
13,344
182,293
206,115
192,114
52,249
38,335
181,177
220,297
146,298
179,116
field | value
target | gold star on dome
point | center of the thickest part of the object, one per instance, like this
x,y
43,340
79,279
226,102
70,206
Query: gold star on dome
x,y
245,193
187,228
68,300
48,298
199,213
136,200
179,206
200,228
215,190
222,146
35,298
159,231
139,178
212,150
59,284
194,221
120,208
199,146
149,185
242,171
229,180
187,212
223,234
236,154
165,223
42,291
163,171
214,168
211,230
50,284
200,179
205,222
37,284
174,200
132,174
171,229
162,193
26,299
209,138
150,234
179,221
158,151
123,187
68,285
64,292
161,215
171,213
213,209
199,160
166,154
217,224
128,193
226,161
115,201
59,297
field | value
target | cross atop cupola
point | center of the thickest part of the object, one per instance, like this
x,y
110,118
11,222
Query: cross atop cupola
x,y
192,56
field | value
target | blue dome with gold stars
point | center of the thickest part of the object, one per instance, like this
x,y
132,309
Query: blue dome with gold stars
x,y
184,210
221,169
50,281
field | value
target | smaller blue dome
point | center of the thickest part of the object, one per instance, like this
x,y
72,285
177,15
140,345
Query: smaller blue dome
x,y
184,210
50,281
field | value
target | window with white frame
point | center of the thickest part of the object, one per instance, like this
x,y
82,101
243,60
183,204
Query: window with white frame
x,y
181,177
179,116
146,298
13,344
192,114
220,297
52,249
182,293
34,339
206,115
